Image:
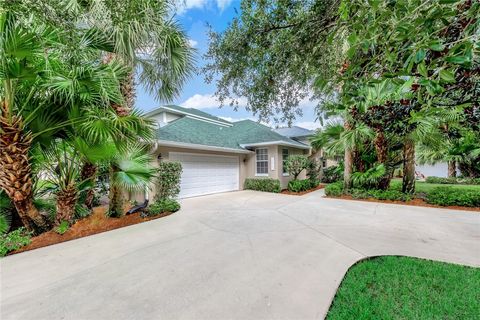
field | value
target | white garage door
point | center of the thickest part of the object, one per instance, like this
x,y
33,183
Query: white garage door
x,y
206,174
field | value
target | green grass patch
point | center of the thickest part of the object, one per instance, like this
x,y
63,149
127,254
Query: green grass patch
x,y
424,187
407,288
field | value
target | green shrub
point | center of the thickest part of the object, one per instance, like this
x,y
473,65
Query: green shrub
x,y
370,178
448,196
161,206
14,240
62,227
168,180
313,170
263,184
332,174
295,164
394,195
334,189
300,185
453,180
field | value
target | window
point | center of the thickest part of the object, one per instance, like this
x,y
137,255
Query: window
x,y
262,161
284,160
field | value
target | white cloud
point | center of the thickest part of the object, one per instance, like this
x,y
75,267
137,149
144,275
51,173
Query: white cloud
x,y
192,43
184,5
223,4
208,101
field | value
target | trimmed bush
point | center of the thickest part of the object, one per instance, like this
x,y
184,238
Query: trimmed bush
x,y
334,189
168,181
453,180
14,240
263,184
301,185
394,195
332,174
448,196
161,206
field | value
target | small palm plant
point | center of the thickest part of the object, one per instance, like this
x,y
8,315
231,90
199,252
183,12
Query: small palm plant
x,y
61,165
130,171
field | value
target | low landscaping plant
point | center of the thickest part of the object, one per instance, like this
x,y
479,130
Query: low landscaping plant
x,y
332,174
302,185
168,180
334,189
453,180
448,196
62,227
14,240
165,205
390,194
263,184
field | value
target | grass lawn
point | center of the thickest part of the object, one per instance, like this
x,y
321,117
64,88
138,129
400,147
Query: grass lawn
x,y
422,186
407,288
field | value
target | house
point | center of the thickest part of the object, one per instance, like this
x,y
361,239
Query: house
x,y
303,135
218,155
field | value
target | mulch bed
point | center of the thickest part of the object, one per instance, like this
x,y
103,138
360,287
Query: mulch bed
x,y
95,223
415,202
285,191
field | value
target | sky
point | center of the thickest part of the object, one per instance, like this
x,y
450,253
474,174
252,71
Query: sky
x,y
194,15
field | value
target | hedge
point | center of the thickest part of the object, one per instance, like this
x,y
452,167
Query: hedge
x,y
334,189
453,180
263,184
168,182
161,206
448,196
302,185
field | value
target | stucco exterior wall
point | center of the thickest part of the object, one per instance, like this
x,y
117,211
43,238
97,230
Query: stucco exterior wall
x,y
247,165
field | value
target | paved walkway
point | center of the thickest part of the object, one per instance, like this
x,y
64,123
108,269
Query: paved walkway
x,y
242,255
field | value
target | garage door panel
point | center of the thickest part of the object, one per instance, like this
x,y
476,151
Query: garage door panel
x,y
206,174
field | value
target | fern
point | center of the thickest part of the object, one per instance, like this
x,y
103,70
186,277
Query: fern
x,y
370,178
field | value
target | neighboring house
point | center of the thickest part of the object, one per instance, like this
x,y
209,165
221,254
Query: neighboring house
x,y
303,135
218,155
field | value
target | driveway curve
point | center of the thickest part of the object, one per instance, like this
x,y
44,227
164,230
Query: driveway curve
x,y
241,255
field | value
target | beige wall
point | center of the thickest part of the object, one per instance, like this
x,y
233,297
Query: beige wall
x,y
247,163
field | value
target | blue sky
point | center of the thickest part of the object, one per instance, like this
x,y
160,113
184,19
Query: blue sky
x,y
194,16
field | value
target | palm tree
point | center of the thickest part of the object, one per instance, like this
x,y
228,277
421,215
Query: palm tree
x,y
131,171
147,40
22,75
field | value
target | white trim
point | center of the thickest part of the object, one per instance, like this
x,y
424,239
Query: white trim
x,y
285,175
261,174
190,115
165,143
280,143
200,154
272,163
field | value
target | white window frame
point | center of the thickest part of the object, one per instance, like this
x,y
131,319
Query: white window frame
x,y
257,161
284,173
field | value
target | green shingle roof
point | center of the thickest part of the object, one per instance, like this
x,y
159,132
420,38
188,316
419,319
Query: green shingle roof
x,y
189,111
239,135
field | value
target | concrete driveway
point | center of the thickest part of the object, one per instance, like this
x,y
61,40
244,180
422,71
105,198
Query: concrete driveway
x,y
242,255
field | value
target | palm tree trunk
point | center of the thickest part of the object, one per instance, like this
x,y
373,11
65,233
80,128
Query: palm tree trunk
x,y
381,148
66,200
89,172
348,163
452,169
116,195
408,185
15,171
116,202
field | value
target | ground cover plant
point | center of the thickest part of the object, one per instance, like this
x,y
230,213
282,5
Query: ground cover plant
x,y
407,288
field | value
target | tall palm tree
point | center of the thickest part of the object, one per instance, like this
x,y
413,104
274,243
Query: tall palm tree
x,y
22,74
